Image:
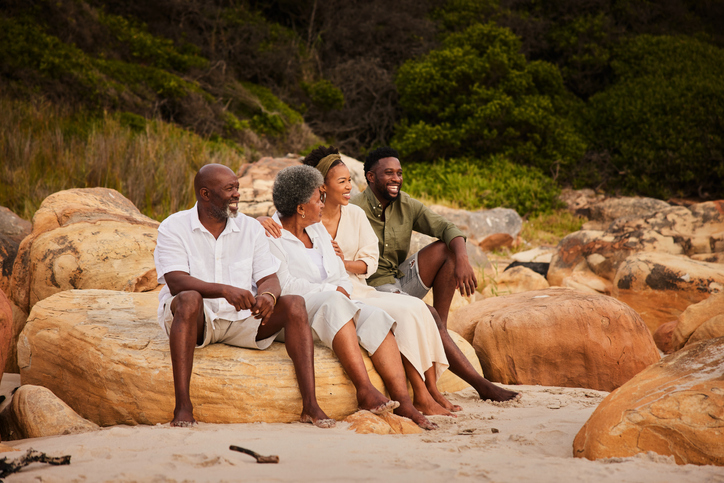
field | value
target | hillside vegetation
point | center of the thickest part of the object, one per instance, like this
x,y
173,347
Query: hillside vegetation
x,y
491,102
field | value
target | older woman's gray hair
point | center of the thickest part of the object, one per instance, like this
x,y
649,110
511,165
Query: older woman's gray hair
x,y
294,186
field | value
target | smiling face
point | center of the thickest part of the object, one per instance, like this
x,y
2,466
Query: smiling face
x,y
385,179
338,185
222,192
312,209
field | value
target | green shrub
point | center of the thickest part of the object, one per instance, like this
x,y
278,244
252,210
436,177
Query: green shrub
x,y
478,95
662,122
324,94
490,183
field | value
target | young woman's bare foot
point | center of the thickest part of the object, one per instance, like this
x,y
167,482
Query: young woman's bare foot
x,y
183,418
490,392
318,418
409,411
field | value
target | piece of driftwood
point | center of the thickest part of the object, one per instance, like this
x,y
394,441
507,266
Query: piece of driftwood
x,y
32,456
259,458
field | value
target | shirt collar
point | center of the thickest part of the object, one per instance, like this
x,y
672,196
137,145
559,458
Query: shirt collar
x,y
197,225
373,202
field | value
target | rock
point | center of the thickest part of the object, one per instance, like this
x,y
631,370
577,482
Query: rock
x,y
364,422
12,231
104,354
19,318
515,280
663,337
476,225
449,382
694,316
85,238
579,202
709,257
560,337
538,255
496,241
36,412
587,281
256,180
711,329
660,286
603,213
6,328
674,408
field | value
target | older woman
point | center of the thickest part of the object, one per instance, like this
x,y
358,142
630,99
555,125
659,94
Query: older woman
x,y
310,268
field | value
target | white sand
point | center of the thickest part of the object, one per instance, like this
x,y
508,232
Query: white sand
x,y
533,443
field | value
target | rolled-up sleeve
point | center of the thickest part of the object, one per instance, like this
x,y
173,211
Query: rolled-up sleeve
x,y
369,251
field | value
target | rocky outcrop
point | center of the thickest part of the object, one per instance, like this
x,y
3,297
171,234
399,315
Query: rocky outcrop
x,y
477,225
663,337
603,213
256,180
673,408
85,238
660,286
12,231
19,318
515,280
559,337
35,412
104,354
703,318
364,422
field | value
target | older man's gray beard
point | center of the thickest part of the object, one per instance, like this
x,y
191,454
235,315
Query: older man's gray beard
x,y
223,214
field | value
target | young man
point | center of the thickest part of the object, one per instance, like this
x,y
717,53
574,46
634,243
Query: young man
x,y
221,286
442,265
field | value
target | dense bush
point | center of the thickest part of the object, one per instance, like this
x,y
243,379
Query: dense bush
x,y
662,123
474,183
477,95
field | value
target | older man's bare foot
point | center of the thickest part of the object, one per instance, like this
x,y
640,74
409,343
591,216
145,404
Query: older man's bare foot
x,y
375,402
490,392
385,408
323,423
409,411
183,418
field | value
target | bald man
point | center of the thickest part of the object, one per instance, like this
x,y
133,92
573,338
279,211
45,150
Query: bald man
x,y
221,287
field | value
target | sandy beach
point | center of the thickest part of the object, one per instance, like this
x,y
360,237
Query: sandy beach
x,y
526,440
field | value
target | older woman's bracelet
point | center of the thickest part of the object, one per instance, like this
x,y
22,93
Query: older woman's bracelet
x,y
273,296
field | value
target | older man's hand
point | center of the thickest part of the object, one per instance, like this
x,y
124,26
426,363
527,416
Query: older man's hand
x,y
238,297
263,307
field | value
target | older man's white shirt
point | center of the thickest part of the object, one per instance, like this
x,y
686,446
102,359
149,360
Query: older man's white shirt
x,y
239,257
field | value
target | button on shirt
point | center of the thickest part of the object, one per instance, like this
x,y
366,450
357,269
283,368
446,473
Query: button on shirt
x,y
239,257
402,216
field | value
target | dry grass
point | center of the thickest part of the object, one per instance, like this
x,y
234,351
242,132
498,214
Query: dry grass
x,y
45,148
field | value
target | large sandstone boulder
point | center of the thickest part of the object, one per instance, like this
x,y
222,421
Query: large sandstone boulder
x,y
6,328
477,225
603,213
19,318
706,313
660,286
85,238
12,231
559,337
664,335
104,354
364,422
673,408
35,412
256,181
515,280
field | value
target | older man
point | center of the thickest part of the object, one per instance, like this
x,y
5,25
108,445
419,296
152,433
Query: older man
x,y
221,287
442,265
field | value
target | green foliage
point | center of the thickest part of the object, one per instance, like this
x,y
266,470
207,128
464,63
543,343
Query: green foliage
x,y
270,115
478,94
662,122
324,94
144,47
474,183
46,149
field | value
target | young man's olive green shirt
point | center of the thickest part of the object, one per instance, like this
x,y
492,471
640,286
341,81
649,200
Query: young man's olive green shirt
x,y
402,216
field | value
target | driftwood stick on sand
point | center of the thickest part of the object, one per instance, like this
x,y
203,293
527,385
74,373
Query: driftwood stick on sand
x,y
259,458
32,456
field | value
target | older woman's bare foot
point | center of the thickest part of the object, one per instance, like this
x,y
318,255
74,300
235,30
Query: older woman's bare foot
x,y
409,411
429,407
183,418
490,392
442,401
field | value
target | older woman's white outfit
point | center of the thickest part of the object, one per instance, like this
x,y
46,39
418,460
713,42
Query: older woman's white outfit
x,y
315,273
416,332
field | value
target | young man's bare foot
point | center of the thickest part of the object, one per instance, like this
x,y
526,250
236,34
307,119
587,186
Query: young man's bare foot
x,y
183,418
323,423
490,392
416,416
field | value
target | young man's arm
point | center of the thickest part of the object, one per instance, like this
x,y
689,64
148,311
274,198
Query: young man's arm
x,y
465,278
